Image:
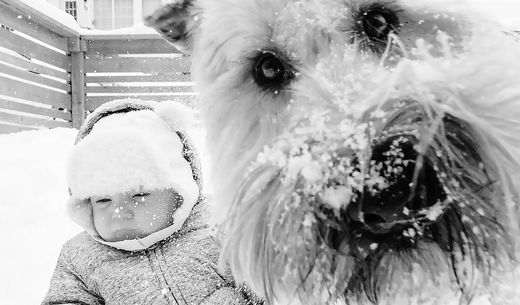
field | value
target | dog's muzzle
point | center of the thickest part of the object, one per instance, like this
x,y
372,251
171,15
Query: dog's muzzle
x,y
350,201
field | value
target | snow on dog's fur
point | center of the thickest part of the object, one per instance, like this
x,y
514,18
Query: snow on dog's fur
x,y
363,151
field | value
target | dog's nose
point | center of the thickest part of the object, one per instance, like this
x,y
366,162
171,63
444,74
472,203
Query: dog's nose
x,y
400,185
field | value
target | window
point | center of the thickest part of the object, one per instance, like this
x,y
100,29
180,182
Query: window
x,y
71,8
113,14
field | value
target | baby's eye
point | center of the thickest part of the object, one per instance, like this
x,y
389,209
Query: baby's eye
x,y
102,201
140,196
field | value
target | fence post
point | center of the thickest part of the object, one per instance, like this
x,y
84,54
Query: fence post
x,y
77,48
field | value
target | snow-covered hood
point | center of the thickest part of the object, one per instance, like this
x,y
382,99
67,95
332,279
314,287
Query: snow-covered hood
x,y
127,144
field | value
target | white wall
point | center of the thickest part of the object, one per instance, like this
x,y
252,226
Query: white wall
x,y
85,13
56,3
138,10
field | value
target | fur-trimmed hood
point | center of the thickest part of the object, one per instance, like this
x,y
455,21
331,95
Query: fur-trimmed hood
x,y
127,144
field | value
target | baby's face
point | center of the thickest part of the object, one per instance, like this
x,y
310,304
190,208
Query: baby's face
x,y
134,214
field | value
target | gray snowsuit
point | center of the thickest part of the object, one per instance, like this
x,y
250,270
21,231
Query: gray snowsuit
x,y
180,270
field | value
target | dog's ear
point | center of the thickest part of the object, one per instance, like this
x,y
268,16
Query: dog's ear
x,y
174,21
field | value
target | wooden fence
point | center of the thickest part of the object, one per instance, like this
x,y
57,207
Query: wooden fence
x,y
51,76
142,66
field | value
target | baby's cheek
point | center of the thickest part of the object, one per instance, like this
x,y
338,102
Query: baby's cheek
x,y
100,218
151,219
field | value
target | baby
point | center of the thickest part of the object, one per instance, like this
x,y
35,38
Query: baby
x,y
135,188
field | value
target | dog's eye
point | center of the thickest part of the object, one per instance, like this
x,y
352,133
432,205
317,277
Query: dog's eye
x,y
270,71
377,22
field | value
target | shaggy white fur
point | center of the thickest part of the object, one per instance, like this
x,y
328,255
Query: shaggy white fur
x,y
314,109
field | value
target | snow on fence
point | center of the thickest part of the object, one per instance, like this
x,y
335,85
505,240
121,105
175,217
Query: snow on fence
x,y
51,75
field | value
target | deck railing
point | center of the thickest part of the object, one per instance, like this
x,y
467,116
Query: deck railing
x,y
51,75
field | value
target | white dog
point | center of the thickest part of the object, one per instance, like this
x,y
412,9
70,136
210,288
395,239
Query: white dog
x,y
364,151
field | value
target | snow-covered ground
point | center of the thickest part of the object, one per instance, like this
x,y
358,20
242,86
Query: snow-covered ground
x,y
33,223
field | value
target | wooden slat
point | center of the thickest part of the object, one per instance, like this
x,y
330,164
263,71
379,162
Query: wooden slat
x,y
92,102
125,46
34,77
49,112
5,128
32,66
164,77
143,89
118,35
14,88
42,17
132,64
32,49
31,121
78,89
30,27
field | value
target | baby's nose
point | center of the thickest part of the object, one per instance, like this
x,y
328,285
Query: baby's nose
x,y
122,212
